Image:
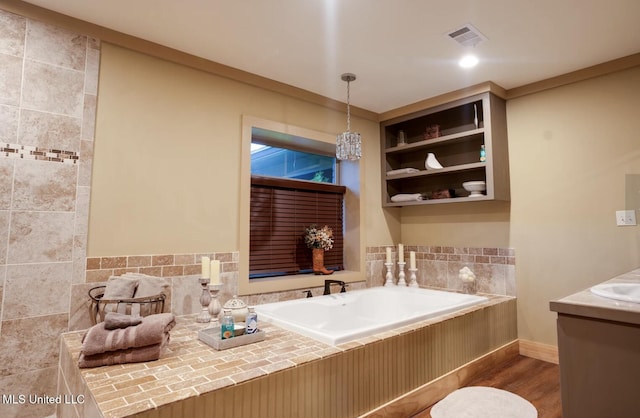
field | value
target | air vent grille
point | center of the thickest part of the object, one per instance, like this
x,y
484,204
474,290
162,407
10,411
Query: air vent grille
x,y
467,35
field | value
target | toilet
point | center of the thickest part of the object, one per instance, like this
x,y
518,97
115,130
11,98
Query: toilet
x,y
483,402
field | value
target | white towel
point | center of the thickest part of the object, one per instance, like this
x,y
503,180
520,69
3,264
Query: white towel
x,y
404,197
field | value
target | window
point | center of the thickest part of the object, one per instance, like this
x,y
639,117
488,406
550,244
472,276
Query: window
x,y
290,191
298,138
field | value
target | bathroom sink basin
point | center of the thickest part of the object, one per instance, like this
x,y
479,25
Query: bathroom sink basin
x,y
628,292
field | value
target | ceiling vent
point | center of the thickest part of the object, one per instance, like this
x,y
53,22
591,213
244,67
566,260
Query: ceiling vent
x,y
467,35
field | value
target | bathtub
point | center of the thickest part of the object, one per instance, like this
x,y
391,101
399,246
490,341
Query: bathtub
x,y
342,317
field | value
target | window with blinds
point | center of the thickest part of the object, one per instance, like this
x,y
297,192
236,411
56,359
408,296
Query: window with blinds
x,y
281,210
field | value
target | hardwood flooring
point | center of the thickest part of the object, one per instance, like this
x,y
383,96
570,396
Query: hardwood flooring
x,y
535,380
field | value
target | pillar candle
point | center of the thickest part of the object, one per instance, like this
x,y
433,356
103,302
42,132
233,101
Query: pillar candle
x,y
412,259
215,272
205,267
400,253
389,255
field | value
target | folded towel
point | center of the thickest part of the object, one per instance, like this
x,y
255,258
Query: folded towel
x,y
114,320
402,171
150,331
130,355
403,197
147,286
119,288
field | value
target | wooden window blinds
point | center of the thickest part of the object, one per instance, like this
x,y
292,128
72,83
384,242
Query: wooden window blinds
x,y
281,210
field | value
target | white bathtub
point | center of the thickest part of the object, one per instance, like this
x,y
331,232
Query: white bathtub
x,y
341,317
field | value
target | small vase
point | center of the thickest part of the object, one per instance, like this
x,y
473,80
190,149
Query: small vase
x,y
318,262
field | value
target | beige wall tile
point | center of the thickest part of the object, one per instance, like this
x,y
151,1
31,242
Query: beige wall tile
x,y
89,117
185,295
6,182
38,382
8,124
52,89
12,33
82,211
85,163
4,235
80,305
79,258
92,71
56,46
44,186
36,289
39,347
10,79
47,130
40,237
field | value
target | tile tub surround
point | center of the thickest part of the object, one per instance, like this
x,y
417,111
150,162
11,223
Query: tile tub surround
x,y
48,91
283,375
182,271
439,266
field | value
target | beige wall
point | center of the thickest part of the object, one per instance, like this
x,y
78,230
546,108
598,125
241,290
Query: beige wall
x,y
167,167
570,149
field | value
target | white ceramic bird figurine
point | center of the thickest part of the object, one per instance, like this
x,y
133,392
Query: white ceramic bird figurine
x,y
432,163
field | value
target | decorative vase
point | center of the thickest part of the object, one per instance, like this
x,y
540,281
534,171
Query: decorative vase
x,y
318,262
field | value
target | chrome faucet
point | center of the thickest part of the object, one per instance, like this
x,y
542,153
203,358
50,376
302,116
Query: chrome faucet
x,y
328,283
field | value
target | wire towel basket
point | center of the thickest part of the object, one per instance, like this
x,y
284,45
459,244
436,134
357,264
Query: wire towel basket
x,y
134,306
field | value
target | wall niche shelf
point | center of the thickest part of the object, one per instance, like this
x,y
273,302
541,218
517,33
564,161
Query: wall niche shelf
x,y
454,132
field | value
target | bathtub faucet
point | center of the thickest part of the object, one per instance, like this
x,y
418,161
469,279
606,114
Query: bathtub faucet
x,y
328,283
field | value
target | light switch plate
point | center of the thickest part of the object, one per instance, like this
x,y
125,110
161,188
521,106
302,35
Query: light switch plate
x,y
626,217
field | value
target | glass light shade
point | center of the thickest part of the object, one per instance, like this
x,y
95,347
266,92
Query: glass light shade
x,y
349,146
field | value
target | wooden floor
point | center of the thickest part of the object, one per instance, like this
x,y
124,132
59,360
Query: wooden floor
x,y
536,381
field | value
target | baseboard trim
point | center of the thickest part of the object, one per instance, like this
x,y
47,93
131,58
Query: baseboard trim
x,y
540,351
428,394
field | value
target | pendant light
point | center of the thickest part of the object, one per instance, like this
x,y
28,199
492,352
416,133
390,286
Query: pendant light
x,y
348,144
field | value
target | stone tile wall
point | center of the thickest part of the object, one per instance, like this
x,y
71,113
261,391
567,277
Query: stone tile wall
x,y
439,267
48,90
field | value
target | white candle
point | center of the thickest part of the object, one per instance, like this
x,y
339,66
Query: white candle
x,y
389,255
215,272
205,267
412,259
400,253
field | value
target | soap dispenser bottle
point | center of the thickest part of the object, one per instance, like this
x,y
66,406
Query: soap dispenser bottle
x,y
251,321
227,325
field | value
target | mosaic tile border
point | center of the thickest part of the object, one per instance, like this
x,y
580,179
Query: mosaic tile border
x,y
28,152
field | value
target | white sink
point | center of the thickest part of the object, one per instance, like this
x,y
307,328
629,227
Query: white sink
x,y
628,292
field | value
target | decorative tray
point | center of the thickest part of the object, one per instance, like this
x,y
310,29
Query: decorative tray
x,y
211,337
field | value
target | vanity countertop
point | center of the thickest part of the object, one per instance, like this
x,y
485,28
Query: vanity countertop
x,y
587,304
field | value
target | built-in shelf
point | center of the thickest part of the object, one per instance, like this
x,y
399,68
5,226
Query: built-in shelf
x,y
458,131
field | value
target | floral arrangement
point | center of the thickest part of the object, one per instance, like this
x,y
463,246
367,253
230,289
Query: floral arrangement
x,y
316,237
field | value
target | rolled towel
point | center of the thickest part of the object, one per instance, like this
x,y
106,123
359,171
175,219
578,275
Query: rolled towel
x,y
130,355
114,320
404,197
150,331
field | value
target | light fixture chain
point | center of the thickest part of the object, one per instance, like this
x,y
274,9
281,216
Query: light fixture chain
x,y
348,108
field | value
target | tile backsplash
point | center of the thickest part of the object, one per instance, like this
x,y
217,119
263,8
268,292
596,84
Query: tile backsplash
x,y
439,267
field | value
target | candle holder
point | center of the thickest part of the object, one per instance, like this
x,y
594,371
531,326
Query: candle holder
x,y
412,278
205,299
401,280
389,276
214,306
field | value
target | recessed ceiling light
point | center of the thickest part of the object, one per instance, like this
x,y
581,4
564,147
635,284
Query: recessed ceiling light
x,y
468,61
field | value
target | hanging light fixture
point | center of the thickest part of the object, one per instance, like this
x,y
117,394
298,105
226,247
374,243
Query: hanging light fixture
x,y
348,144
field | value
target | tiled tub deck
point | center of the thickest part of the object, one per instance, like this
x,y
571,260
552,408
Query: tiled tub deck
x,y
286,375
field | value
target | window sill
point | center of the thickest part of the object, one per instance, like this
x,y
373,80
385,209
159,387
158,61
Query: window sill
x,y
298,282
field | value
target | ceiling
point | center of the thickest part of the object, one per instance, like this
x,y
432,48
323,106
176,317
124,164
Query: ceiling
x,y
398,49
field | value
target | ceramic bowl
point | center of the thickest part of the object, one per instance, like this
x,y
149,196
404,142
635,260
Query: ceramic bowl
x,y
475,187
